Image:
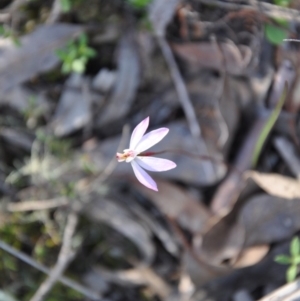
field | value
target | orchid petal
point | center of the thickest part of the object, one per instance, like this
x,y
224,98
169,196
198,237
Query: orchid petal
x,y
143,177
138,133
155,164
151,139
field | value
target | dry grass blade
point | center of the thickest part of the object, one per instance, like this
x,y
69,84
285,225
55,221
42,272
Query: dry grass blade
x,y
268,126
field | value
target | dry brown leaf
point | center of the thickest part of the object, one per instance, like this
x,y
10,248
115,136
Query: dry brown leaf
x,y
107,211
289,153
178,204
141,275
251,256
218,119
263,219
127,81
277,185
201,272
230,189
160,231
36,53
19,99
268,219
223,56
263,274
73,111
222,244
17,139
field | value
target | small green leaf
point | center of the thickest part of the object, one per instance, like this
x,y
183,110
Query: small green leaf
x,y
295,246
78,66
66,5
291,273
283,259
39,251
83,39
282,3
66,68
76,55
2,30
275,34
296,260
61,54
16,41
139,3
10,263
89,52
72,52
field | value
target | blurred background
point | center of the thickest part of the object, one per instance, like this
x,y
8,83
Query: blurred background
x,y
76,77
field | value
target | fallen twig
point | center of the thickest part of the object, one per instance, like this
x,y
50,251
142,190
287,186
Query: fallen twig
x,y
15,5
87,292
288,292
268,9
113,162
184,100
94,182
55,12
37,205
180,88
65,256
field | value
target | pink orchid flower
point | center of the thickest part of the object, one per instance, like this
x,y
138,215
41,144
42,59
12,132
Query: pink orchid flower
x,y
139,161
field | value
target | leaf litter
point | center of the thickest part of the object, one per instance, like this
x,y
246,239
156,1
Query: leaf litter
x,y
208,74
35,54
